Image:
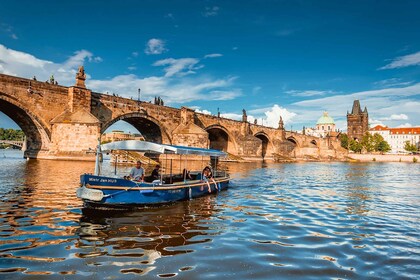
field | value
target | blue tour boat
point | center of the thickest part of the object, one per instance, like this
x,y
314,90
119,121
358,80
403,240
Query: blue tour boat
x,y
98,191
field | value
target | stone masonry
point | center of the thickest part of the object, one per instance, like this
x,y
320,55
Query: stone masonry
x,y
66,122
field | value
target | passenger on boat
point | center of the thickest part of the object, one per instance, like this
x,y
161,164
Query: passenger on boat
x,y
155,173
207,175
186,174
137,172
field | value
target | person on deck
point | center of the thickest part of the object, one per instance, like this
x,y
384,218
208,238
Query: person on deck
x,y
155,173
137,173
207,175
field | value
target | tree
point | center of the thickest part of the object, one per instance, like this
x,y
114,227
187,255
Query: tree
x,y
367,142
355,146
11,134
344,140
379,144
410,147
383,147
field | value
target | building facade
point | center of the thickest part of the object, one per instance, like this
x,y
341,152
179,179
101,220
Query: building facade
x,y
324,126
119,135
396,137
357,122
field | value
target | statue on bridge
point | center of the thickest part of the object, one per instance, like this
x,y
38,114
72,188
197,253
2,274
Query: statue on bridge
x,y
244,116
81,77
281,124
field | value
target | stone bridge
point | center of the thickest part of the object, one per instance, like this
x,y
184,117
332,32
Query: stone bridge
x,y
18,144
65,122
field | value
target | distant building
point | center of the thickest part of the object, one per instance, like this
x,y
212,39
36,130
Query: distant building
x,y
119,135
324,126
357,122
396,137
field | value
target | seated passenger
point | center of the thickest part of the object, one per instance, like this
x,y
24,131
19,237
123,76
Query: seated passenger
x,y
207,175
136,173
186,174
155,173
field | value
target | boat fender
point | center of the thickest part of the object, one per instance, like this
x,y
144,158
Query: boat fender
x,y
190,193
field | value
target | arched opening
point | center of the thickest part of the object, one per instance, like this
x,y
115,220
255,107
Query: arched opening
x,y
37,137
291,144
219,139
313,142
138,124
264,143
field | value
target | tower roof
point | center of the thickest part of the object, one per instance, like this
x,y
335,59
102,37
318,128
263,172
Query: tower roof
x,y
356,108
325,119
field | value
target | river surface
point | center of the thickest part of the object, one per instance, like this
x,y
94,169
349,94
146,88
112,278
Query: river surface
x,y
276,221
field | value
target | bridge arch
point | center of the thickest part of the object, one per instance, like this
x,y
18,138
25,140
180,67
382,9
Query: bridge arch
x,y
220,138
313,142
264,144
293,140
151,129
37,132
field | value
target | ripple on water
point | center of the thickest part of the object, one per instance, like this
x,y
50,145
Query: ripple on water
x,y
313,221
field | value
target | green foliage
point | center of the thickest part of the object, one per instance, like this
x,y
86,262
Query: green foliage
x,y
367,142
410,147
373,143
11,134
383,147
344,140
355,146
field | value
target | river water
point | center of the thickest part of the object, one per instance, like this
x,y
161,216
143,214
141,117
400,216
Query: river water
x,y
276,221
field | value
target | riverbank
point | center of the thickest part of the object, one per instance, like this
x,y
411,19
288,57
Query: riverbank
x,y
384,158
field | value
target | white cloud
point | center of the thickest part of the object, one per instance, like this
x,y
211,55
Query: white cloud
x,y
267,116
374,123
22,64
173,87
405,125
393,82
381,103
132,68
395,117
134,54
206,112
232,116
182,66
211,11
212,55
308,93
404,61
155,46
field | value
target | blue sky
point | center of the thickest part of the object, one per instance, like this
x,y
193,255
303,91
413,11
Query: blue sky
x,y
289,58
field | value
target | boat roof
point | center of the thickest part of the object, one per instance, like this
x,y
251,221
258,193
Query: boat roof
x,y
149,147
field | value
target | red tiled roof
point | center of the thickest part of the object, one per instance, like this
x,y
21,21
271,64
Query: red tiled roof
x,y
405,130
379,127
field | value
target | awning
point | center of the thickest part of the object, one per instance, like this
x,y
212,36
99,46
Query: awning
x,y
149,147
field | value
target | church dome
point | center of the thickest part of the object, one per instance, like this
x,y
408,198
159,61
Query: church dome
x,y
325,119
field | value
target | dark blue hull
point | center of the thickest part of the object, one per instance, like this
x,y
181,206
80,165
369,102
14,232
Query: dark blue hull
x,y
107,192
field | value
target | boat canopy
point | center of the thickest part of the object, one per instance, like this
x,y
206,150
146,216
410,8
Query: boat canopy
x,y
149,147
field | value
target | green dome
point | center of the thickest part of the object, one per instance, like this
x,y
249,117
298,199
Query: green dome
x,y
325,119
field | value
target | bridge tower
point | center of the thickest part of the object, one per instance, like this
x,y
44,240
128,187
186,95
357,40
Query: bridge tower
x,y
75,130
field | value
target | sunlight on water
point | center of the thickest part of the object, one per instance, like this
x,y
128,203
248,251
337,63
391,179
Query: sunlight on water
x,y
300,220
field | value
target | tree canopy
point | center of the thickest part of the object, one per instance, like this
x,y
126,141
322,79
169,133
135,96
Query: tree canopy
x,y
11,134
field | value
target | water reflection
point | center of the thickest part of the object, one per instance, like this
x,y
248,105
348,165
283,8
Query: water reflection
x,y
304,220
143,236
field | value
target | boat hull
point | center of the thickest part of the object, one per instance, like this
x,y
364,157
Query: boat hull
x,y
108,192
